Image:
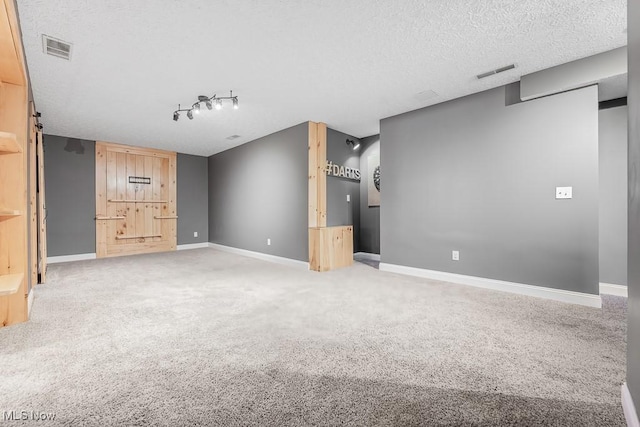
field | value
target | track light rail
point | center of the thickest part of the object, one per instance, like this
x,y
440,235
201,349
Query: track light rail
x,y
210,102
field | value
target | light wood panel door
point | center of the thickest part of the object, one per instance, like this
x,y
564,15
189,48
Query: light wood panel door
x,y
42,212
33,203
135,200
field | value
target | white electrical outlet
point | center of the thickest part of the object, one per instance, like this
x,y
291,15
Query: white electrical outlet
x,y
195,234
455,255
268,242
564,192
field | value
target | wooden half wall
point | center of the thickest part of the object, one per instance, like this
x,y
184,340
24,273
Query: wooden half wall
x,y
329,247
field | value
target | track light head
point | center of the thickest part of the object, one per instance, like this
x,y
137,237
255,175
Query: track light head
x,y
208,104
235,103
196,108
218,104
176,116
190,114
353,144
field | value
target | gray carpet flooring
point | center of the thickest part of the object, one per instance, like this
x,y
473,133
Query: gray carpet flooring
x,y
203,337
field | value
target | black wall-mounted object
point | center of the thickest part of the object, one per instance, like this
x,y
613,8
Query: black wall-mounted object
x,y
139,180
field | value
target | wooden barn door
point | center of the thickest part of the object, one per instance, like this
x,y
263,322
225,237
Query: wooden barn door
x,y
135,200
42,212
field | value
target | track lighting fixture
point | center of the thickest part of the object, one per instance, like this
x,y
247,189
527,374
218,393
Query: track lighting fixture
x,y
353,143
209,102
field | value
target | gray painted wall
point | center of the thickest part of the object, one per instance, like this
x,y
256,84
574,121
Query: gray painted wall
x,y
69,173
369,216
339,211
193,199
613,195
259,190
476,176
71,196
633,303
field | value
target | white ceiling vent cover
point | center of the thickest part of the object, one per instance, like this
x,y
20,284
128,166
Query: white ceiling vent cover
x,y
56,47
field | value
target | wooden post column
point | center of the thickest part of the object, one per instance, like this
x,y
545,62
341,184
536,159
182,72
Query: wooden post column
x,y
317,175
329,247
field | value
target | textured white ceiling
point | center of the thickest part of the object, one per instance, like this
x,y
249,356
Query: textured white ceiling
x,y
347,63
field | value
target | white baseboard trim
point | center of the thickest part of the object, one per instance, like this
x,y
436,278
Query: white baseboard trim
x,y
68,258
192,246
629,408
30,302
611,289
498,285
259,255
367,255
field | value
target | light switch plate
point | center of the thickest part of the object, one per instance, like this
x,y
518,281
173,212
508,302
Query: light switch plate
x,y
564,192
348,197
195,234
455,255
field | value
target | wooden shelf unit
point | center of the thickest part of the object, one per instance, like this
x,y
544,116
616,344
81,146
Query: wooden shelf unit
x,y
9,143
4,212
14,204
10,283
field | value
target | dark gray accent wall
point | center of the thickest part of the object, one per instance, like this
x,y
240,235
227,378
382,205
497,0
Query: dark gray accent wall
x,y
193,199
339,210
633,313
259,190
70,191
479,177
613,195
369,215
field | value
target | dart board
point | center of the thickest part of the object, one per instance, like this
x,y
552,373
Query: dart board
x,y
376,177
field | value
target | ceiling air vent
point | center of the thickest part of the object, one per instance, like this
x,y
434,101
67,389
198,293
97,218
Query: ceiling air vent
x,y
232,137
55,47
496,71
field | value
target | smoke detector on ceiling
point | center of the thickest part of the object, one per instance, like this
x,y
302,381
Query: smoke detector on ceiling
x,y
496,71
56,47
